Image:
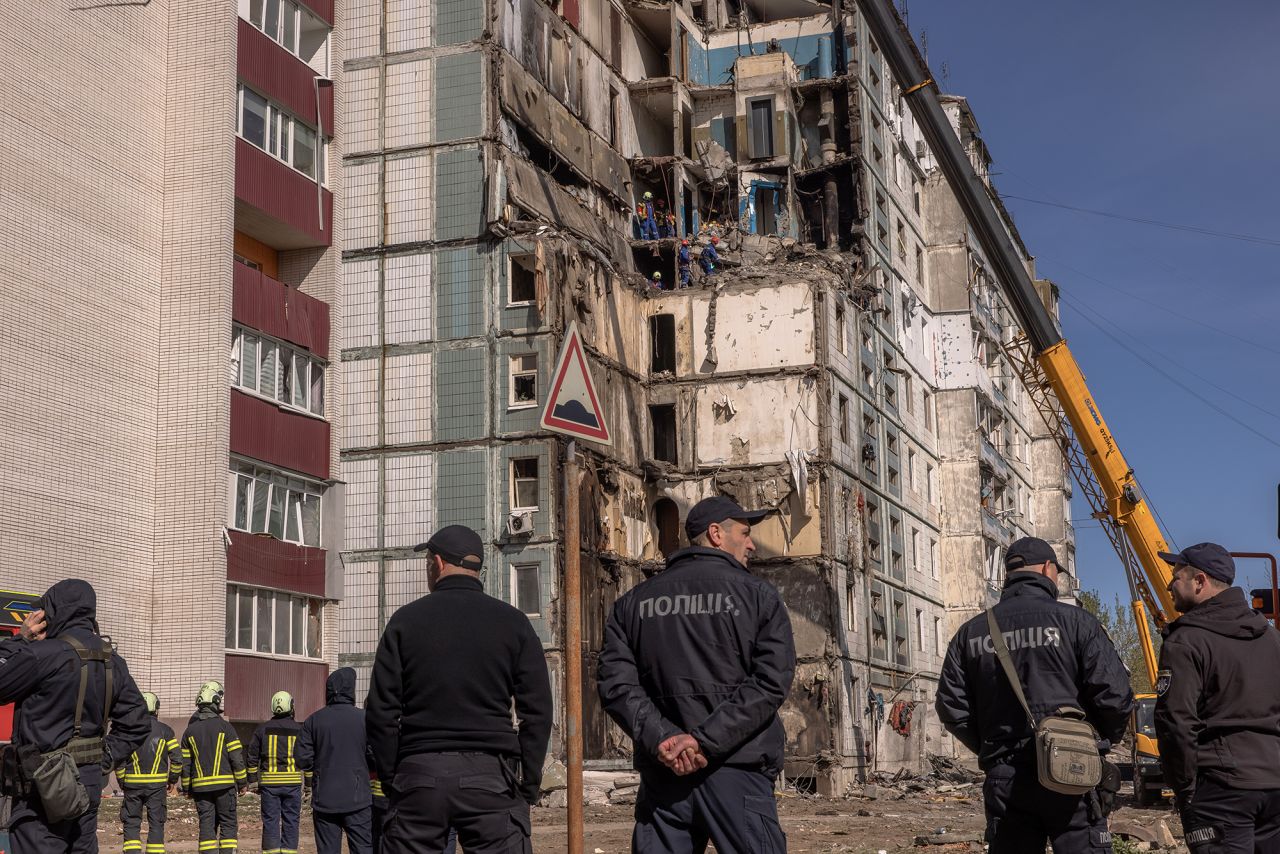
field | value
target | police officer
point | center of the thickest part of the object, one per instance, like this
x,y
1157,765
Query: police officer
x,y
147,777
273,768
58,657
1063,657
696,662
331,750
448,671
1218,708
213,770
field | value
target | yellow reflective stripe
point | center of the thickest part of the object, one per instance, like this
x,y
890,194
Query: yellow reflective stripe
x,y
155,848
133,845
159,757
234,744
271,753
293,765
143,778
376,787
281,777
240,774
209,845
210,782
133,760
195,757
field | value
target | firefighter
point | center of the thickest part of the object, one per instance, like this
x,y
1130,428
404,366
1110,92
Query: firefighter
x,y
644,212
213,770
273,768
656,282
332,751
709,257
684,263
147,777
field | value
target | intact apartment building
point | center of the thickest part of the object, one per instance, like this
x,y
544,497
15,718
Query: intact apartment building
x,y
844,366
168,282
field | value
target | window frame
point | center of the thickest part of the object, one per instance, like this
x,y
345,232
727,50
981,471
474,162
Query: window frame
x,y
515,587
284,356
257,474
514,481
300,605
515,372
284,122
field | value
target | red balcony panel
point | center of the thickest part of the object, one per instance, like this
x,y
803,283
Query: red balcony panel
x,y
277,204
270,70
322,8
267,562
251,680
262,303
264,431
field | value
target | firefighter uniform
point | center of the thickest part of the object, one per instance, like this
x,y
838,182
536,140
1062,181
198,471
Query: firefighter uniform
x,y
145,778
213,770
1063,657
273,767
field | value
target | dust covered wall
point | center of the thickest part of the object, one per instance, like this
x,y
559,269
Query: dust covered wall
x,y
754,327
772,415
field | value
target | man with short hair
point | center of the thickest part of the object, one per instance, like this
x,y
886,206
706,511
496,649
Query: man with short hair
x,y
450,670
1063,658
1218,708
696,662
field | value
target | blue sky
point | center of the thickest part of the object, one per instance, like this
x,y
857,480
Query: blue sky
x,y
1158,111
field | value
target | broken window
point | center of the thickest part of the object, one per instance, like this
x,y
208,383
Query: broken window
x,y
928,483
613,116
900,646
524,483
915,549
902,241
686,132
522,280
879,630
524,381
842,413
908,393
891,475
664,433
919,629
851,608
666,518
933,558
768,201
926,403
939,645
760,124
911,469
840,329
662,342
873,531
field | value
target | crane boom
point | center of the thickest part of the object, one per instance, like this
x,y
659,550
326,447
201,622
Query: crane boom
x,y
1097,462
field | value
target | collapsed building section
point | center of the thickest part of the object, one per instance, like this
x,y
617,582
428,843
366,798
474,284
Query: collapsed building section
x,y
513,166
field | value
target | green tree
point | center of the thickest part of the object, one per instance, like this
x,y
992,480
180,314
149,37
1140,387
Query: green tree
x,y
1118,620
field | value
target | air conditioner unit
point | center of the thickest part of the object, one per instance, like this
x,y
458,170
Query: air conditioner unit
x,y
520,524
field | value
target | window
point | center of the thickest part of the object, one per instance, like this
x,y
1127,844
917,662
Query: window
x,y
890,442
851,608
295,29
928,483
278,371
840,329
879,630
662,342
664,433
527,588
920,629
891,475
900,627
926,404
915,549
524,483
271,501
273,623
522,280
933,558
524,381
939,647
268,127
902,241
761,128
909,394
911,469
843,415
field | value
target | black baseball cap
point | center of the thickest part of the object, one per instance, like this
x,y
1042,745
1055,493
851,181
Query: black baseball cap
x,y
716,509
1210,558
1029,551
454,543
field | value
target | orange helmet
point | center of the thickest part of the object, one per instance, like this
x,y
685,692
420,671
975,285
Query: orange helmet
x,y
715,238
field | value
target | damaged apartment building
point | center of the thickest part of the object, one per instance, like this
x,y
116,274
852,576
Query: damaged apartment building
x,y
842,363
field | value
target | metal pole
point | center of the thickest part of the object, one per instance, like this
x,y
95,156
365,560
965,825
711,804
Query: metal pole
x,y
573,648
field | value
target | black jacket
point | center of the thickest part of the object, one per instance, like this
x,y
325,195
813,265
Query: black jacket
x,y
273,753
331,749
212,756
447,670
704,647
1218,714
42,679
154,765
1062,656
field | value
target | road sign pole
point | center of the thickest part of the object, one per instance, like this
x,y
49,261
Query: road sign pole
x,y
572,595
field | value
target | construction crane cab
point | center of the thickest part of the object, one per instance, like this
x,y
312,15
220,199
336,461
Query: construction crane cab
x,y
1148,776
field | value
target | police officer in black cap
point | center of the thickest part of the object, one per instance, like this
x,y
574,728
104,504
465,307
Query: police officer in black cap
x,y
696,663
439,715
1218,708
1063,657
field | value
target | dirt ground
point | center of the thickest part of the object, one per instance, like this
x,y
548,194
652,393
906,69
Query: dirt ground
x,y
950,822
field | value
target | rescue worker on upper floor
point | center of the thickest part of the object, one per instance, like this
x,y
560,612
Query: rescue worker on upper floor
x,y
1062,657
213,770
65,681
684,263
273,768
644,213
147,777
333,753
709,256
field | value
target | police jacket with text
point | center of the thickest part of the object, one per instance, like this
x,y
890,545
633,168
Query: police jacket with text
x,y
332,750
212,756
449,669
273,753
42,679
1063,658
704,648
1218,701
154,765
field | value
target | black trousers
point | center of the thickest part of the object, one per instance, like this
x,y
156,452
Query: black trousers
x,y
471,793
218,822
155,801
732,807
29,833
281,809
1022,815
1220,820
330,826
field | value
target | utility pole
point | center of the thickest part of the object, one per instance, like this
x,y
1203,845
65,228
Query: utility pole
x,y
573,646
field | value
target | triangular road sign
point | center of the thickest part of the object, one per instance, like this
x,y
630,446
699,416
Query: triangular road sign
x,y
573,407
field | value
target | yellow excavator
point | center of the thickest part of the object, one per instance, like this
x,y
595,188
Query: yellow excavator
x,y
1055,384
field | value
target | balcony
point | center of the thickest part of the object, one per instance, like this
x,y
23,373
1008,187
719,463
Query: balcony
x,y
260,302
277,204
278,435
270,70
990,456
